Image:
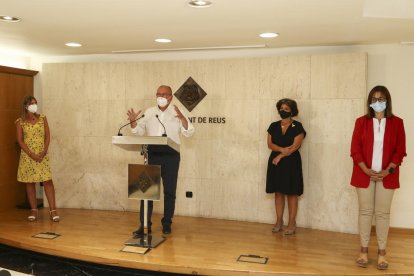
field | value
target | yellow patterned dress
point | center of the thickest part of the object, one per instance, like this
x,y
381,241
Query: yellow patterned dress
x,y
29,170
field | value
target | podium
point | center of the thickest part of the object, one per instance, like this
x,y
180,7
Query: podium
x,y
144,181
134,143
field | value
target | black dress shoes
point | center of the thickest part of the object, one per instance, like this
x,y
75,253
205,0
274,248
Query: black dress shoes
x,y
140,231
166,229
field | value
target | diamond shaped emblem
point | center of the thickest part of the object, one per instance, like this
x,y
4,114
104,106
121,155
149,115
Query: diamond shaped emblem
x,y
190,94
143,182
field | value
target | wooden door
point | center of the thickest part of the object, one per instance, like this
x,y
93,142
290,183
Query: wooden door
x,y
14,85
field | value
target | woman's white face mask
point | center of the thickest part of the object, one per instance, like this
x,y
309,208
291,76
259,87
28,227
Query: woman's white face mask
x,y
378,106
32,108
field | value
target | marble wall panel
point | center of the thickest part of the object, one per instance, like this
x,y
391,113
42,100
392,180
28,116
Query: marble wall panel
x,y
105,117
196,163
238,162
242,79
104,81
239,197
67,118
331,127
331,200
139,84
63,81
85,117
54,79
333,120
188,206
86,154
92,190
65,154
338,76
285,77
224,165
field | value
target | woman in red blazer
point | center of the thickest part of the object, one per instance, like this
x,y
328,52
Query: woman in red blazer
x,y
377,149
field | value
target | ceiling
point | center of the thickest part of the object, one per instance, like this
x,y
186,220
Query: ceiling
x,y
104,26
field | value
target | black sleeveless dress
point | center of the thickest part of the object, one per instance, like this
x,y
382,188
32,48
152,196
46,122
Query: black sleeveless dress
x,y
286,177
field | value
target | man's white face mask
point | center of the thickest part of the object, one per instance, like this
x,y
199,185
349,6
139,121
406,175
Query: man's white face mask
x,y
162,102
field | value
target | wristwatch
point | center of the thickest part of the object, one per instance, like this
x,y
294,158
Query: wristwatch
x,y
391,170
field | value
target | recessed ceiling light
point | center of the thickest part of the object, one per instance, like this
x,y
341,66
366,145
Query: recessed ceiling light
x,y
163,40
199,4
7,18
269,35
73,44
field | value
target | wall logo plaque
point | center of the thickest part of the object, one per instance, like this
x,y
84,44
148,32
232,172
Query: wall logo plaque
x,y
190,94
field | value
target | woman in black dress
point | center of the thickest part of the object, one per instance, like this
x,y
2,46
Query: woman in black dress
x,y
284,169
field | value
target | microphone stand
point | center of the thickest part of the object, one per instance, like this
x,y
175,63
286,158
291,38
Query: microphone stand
x,y
165,131
119,131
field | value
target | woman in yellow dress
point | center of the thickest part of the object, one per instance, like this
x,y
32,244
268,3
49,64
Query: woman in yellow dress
x,y
33,137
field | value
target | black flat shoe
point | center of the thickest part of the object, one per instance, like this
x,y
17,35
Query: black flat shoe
x,y
140,231
166,229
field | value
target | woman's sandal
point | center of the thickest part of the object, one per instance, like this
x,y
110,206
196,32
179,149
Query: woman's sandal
x,y
382,262
33,215
54,218
362,261
291,231
277,228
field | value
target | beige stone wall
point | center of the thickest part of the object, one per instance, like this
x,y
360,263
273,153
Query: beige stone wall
x,y
224,165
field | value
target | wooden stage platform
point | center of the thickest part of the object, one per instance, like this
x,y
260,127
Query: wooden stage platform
x,y
202,246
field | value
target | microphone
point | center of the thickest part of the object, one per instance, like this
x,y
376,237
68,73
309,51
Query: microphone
x,y
119,131
165,132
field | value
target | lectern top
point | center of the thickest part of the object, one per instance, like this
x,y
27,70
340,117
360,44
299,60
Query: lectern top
x,y
134,142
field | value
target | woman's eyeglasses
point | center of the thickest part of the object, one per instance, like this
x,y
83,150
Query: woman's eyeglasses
x,y
381,100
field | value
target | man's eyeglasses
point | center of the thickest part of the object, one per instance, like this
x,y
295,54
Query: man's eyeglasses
x,y
163,95
380,100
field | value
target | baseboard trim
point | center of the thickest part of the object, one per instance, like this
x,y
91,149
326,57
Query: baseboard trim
x,y
397,230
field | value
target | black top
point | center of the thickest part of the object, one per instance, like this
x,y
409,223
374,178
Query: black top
x,y
286,177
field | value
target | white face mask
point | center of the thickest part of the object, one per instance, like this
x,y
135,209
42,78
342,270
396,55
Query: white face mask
x,y
32,108
162,102
378,107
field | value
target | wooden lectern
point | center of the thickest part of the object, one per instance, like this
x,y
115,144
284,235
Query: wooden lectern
x,y
144,180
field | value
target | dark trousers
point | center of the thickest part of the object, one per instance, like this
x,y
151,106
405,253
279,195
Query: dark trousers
x,y
170,163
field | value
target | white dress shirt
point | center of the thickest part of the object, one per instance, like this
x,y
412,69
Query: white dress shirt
x,y
150,126
379,130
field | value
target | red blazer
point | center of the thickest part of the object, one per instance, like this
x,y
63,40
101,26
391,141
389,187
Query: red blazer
x,y
362,147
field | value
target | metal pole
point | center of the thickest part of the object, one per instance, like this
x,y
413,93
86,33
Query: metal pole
x,y
144,152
